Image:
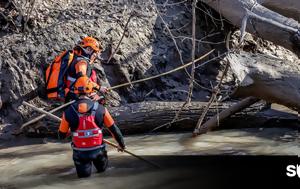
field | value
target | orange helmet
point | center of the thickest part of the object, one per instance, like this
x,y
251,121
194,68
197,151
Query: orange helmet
x,y
83,85
91,42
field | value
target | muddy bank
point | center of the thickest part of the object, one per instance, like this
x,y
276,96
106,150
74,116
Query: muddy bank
x,y
147,49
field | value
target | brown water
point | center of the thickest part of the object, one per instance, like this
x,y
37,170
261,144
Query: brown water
x,y
50,165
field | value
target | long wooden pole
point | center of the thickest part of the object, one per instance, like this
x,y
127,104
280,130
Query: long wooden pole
x,y
159,75
134,155
106,141
44,115
42,111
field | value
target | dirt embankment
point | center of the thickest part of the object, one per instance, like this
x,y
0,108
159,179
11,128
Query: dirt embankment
x,y
33,34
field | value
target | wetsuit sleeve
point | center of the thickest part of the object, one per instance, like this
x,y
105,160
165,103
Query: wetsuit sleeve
x,y
107,119
113,128
63,127
81,70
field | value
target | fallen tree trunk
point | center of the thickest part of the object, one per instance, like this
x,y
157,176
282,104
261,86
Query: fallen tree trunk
x,y
272,26
267,78
290,8
143,117
139,117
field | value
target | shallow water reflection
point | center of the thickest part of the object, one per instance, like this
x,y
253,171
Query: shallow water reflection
x,y
50,165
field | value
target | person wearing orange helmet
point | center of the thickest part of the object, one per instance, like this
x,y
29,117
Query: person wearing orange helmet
x,y
85,53
85,119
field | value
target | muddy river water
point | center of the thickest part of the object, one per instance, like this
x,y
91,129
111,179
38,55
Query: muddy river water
x,y
36,163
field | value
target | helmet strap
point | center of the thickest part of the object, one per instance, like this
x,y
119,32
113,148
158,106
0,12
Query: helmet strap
x,y
86,52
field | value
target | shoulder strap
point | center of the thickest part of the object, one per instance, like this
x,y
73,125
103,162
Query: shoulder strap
x,y
71,57
83,58
95,107
75,110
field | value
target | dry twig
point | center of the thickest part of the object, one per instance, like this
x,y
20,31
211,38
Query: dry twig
x,y
191,84
201,65
119,43
211,100
175,43
213,122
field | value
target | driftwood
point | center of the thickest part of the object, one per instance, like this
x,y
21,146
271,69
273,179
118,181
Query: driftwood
x,y
267,78
213,122
264,22
290,8
264,77
140,117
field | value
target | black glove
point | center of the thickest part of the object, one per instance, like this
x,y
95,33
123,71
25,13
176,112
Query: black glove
x,y
121,148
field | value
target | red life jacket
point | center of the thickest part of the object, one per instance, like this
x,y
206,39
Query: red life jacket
x,y
88,135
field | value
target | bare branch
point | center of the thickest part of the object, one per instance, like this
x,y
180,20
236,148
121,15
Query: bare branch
x,y
175,43
212,99
119,43
172,4
191,86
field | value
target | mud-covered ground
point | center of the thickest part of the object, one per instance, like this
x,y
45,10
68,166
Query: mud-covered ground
x,y
147,49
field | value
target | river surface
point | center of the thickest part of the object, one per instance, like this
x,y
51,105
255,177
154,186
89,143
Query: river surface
x,y
38,163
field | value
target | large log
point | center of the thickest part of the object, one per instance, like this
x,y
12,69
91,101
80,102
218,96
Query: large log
x,y
290,8
273,26
268,78
139,117
145,116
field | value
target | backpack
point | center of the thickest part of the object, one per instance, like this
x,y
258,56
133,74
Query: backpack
x,y
55,75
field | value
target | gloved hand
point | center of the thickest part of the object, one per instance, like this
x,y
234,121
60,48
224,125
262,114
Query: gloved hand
x,y
103,89
121,148
95,97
